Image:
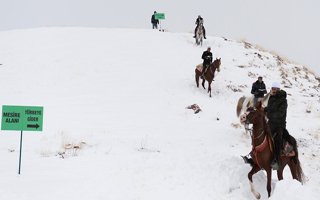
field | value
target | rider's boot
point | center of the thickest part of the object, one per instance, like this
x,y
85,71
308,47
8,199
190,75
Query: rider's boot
x,y
203,72
275,161
248,160
275,164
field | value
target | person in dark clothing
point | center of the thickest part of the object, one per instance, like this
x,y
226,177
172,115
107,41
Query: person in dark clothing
x,y
154,21
199,21
258,90
277,113
207,59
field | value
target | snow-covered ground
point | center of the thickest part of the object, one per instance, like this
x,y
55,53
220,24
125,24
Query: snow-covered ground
x,y
121,94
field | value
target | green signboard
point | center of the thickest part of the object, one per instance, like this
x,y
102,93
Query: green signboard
x,y
159,16
22,118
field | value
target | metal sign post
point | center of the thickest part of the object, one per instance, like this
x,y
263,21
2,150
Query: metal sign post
x,y
20,153
22,118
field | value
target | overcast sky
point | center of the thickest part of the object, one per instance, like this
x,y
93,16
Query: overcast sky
x,y
288,27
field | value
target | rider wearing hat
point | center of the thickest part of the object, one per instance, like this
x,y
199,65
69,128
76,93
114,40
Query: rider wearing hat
x,y
276,112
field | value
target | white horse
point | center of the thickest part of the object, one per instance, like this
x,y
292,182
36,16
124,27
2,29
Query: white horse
x,y
199,34
245,102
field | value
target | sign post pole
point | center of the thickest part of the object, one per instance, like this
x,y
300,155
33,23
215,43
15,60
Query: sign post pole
x,y
20,152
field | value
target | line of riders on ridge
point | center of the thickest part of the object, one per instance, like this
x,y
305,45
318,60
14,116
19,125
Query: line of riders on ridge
x,y
276,110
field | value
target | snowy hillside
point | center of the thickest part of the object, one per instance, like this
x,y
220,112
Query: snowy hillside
x,y
120,95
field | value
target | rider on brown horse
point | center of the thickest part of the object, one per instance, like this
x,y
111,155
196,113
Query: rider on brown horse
x,y
198,21
207,60
276,112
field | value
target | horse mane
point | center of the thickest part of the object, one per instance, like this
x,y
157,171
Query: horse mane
x,y
246,102
239,105
265,100
216,64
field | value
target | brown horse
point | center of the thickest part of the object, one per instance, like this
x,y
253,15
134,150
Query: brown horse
x,y
262,149
209,74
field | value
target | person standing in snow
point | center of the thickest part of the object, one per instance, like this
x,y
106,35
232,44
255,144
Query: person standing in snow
x,y
258,90
154,21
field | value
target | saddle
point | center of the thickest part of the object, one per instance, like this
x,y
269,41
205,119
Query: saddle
x,y
289,144
200,67
287,148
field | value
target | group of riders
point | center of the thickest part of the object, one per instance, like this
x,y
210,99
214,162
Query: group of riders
x,y
276,110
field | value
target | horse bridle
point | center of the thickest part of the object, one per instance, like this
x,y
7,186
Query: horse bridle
x,y
244,120
217,68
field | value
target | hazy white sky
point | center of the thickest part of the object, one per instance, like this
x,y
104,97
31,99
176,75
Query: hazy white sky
x,y
289,27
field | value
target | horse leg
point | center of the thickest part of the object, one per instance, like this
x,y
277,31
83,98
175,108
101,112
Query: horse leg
x,y
203,80
197,79
280,171
254,170
269,175
292,167
209,89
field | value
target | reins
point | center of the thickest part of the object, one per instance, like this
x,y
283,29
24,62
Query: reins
x,y
260,147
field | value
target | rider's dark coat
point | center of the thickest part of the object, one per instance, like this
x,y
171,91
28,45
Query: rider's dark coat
x,y
207,58
277,110
199,19
258,89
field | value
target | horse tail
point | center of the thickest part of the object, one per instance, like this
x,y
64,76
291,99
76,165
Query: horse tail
x,y
298,169
299,172
240,104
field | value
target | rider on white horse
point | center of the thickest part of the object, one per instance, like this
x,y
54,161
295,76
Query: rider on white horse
x,y
199,21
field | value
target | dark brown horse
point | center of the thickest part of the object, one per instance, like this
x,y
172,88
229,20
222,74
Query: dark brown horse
x,y
209,75
262,150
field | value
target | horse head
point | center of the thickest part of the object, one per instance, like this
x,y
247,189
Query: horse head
x,y
216,64
253,115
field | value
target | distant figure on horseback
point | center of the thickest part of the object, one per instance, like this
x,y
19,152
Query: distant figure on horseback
x,y
258,90
276,112
207,60
199,22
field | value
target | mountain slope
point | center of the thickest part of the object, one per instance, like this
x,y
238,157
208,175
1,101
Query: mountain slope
x,y
123,94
